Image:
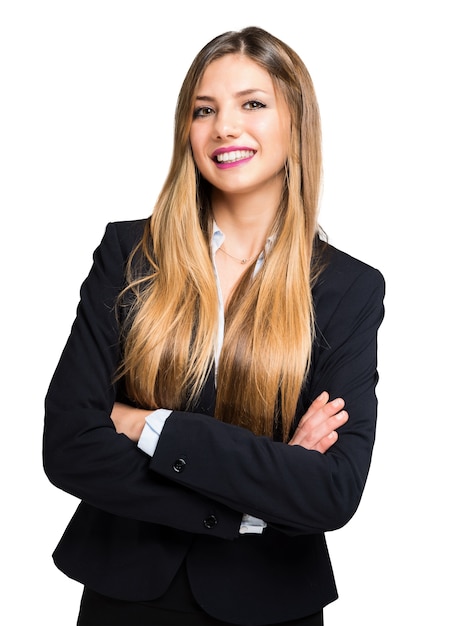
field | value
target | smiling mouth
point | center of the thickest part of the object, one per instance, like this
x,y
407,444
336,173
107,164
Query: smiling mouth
x,y
234,155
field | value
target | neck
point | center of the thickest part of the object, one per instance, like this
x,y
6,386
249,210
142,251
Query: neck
x,y
245,224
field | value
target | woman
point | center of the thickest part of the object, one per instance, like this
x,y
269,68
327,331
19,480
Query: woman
x,y
195,408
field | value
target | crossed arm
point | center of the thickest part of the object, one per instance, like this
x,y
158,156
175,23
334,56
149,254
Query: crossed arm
x,y
317,430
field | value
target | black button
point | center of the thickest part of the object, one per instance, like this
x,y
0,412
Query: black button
x,y
210,521
179,465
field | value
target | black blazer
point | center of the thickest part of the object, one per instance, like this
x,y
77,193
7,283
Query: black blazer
x,y
140,518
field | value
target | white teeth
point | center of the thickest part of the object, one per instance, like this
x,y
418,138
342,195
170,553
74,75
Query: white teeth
x,y
234,155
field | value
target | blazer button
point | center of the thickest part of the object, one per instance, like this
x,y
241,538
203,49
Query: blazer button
x,y
210,521
179,465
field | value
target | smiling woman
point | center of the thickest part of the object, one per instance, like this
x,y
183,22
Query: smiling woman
x,y
240,138
237,101
197,410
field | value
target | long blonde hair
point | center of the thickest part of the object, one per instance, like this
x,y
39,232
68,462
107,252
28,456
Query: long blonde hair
x,y
171,298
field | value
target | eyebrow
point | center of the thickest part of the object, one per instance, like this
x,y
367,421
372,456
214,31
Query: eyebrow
x,y
238,94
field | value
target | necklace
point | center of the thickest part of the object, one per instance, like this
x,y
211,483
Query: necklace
x,y
242,261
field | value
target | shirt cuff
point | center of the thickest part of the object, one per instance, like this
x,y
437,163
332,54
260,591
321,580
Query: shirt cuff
x,y
152,430
252,525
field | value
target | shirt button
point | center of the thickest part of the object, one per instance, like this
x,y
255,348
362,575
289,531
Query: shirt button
x,y
179,465
210,521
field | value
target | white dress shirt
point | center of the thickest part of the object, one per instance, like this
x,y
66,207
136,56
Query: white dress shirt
x,y
155,421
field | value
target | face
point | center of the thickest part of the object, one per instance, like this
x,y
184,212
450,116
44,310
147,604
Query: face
x,y
240,132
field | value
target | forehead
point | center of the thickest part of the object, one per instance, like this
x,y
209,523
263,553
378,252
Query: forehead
x,y
235,73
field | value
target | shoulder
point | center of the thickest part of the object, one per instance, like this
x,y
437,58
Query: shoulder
x,y
119,239
127,232
110,256
346,284
339,271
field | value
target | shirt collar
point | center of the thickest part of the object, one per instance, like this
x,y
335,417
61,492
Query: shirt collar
x,y
217,238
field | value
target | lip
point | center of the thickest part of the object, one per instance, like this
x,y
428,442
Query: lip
x,y
230,149
228,164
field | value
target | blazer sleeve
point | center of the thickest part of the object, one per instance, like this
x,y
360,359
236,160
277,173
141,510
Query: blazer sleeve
x,y
294,489
82,453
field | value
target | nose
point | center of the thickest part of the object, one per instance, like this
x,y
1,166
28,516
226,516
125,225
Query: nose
x,y
227,124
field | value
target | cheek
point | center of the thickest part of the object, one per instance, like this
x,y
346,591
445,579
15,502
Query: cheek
x,y
197,144
276,133
195,151
284,141
201,161
280,144
192,140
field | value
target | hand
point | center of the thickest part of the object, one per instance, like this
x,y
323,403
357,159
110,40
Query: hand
x,y
317,428
129,420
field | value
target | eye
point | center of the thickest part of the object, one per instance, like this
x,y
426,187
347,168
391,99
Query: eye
x,y
252,105
202,112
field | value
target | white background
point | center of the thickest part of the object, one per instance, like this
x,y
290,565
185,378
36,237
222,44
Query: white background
x,y
88,92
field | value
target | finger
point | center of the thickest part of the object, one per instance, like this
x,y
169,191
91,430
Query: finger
x,y
317,404
327,442
319,412
330,437
319,427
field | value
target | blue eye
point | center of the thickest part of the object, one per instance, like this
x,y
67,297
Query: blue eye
x,y
252,105
202,112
